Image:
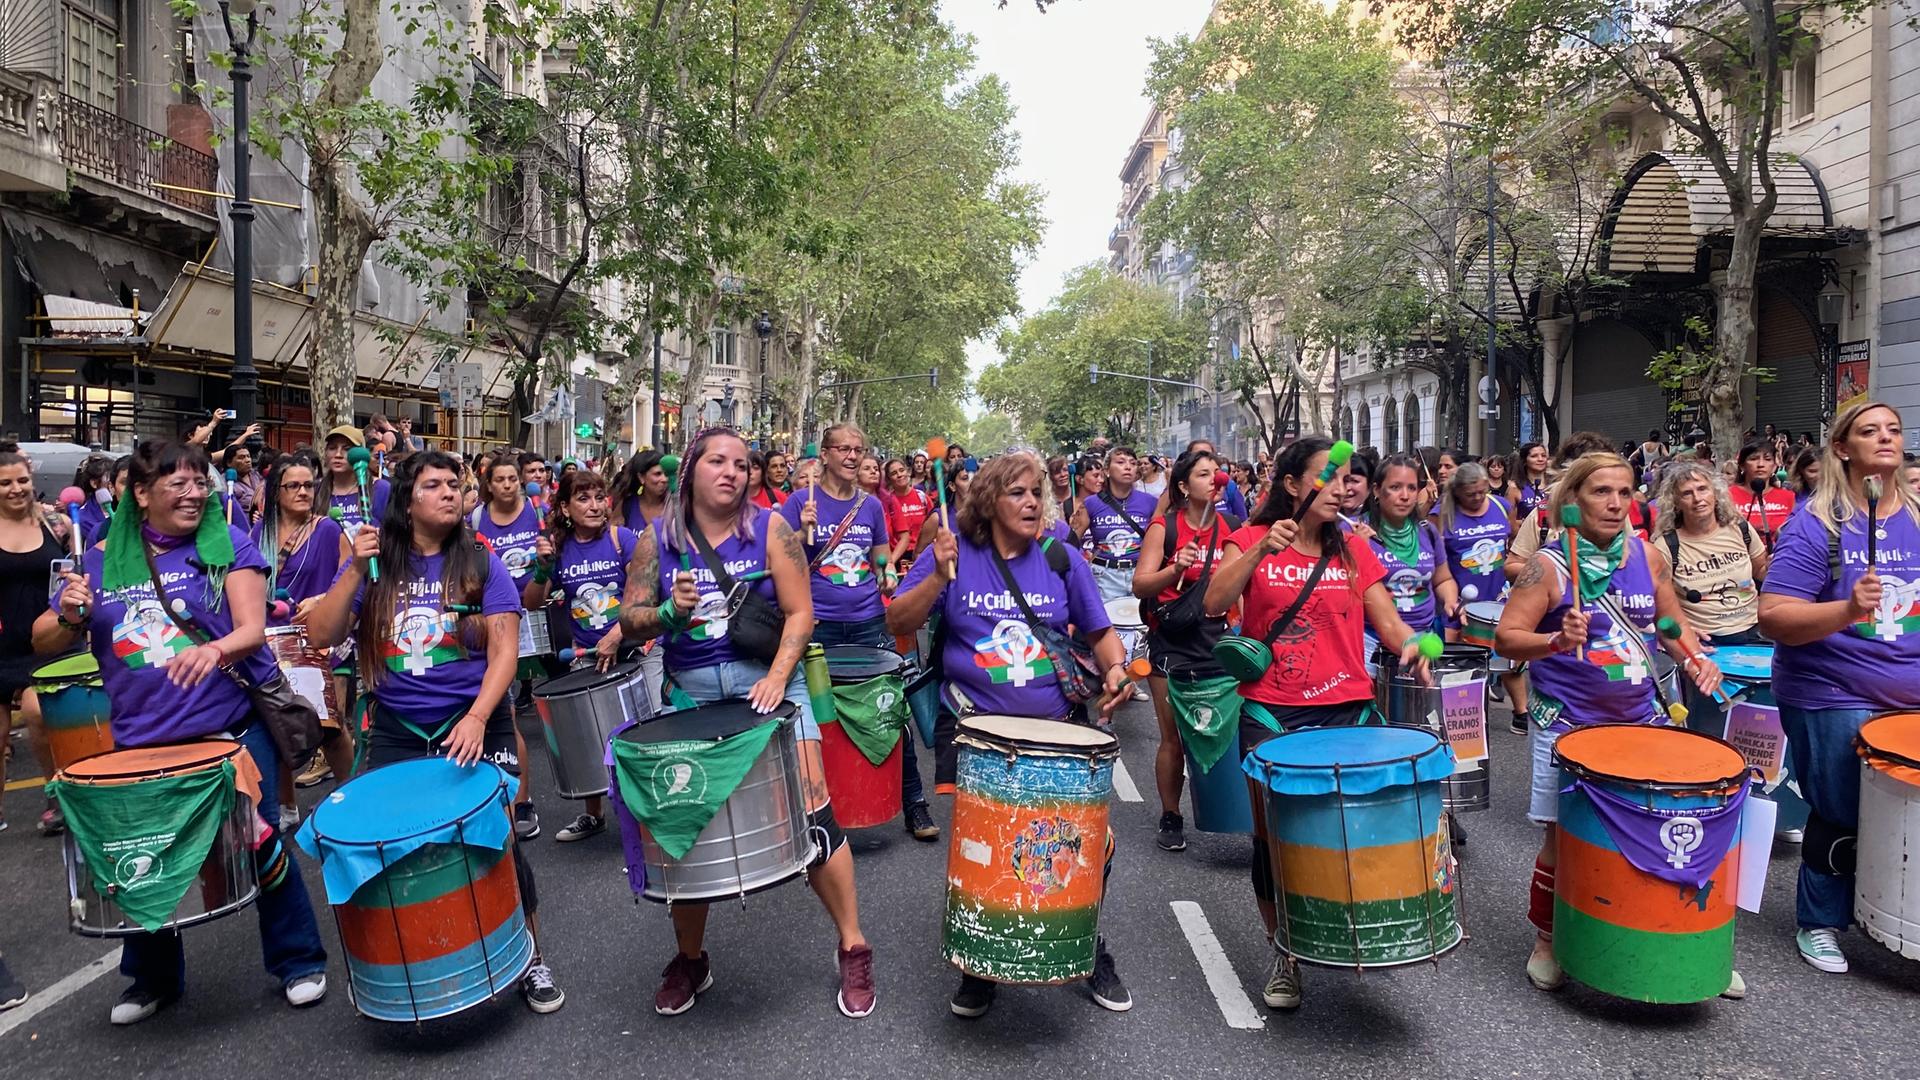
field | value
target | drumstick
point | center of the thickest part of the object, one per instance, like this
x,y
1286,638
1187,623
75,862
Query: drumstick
x,y
1669,628
232,476
71,498
937,450
1569,526
539,509
1872,485
812,450
1340,453
360,459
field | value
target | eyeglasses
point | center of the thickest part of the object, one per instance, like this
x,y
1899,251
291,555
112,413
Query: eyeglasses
x,y
848,448
298,485
182,486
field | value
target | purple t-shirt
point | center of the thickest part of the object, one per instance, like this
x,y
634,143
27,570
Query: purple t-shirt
x,y
1412,586
349,504
515,542
844,586
1109,533
593,577
133,638
1610,685
991,654
1477,548
705,643
1867,665
432,673
310,570
1059,531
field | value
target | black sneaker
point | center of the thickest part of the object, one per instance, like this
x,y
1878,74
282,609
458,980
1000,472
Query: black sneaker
x,y
538,988
580,828
526,823
920,823
1518,723
1108,991
13,992
1173,832
974,997
136,1004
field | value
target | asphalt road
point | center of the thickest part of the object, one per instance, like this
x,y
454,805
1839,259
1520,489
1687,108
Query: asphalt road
x,y
1470,1015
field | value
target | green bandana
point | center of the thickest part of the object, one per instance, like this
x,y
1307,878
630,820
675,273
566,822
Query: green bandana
x,y
1402,541
1597,566
872,714
125,561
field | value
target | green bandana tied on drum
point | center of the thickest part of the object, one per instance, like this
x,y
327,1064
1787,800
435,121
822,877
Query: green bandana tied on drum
x,y
872,714
144,842
1597,565
125,561
675,788
1208,713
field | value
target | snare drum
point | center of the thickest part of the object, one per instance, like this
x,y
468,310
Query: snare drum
x,y
1124,613
74,707
158,838
310,672
1478,621
536,633
1886,891
579,712
1454,708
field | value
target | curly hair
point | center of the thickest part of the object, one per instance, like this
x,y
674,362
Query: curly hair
x,y
991,482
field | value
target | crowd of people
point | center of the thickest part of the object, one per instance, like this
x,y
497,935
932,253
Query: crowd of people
x,y
1337,565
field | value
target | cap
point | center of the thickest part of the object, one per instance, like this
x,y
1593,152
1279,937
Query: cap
x,y
347,432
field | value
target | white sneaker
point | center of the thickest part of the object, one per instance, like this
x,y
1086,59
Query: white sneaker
x,y
135,1006
1821,948
307,989
289,818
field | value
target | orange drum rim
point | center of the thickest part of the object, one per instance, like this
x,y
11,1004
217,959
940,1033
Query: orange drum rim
x,y
130,765
1905,751
1682,759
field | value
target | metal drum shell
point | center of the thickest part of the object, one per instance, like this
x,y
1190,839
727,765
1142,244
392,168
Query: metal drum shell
x,y
288,644
1886,897
579,712
536,633
1403,700
1478,621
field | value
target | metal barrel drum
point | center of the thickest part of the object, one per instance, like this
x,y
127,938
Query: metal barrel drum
x,y
1026,862
227,879
1618,927
579,712
431,919
864,794
1478,621
1404,699
74,707
1220,793
536,633
1886,891
1362,864
1748,671
759,838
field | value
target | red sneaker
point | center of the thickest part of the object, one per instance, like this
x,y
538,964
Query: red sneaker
x,y
681,982
856,981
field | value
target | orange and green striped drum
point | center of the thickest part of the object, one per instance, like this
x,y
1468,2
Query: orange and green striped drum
x,y
73,705
1362,862
1617,927
1026,864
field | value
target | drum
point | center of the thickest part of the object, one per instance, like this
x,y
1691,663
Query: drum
x,y
1886,882
1748,671
1027,861
419,867
1124,613
1362,863
1667,673
579,712
1454,708
869,691
1478,621
310,672
1643,896
73,705
136,819
1209,726
757,835
536,634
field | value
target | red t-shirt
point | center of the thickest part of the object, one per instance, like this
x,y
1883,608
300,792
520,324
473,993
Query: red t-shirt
x,y
761,499
909,514
1183,534
1778,507
1320,659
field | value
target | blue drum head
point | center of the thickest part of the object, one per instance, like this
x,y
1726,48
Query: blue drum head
x,y
1745,663
406,799
1356,760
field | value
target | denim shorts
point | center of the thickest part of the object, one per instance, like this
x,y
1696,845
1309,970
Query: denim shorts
x,y
734,678
1543,802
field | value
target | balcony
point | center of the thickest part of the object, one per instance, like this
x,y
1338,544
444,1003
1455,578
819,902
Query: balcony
x,y
109,147
29,157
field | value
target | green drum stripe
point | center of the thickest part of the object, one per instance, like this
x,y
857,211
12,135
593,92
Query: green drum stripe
x,y
1387,932
427,873
1665,969
1020,946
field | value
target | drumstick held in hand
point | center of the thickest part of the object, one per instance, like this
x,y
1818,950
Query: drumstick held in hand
x,y
1569,538
1872,485
1669,628
1340,454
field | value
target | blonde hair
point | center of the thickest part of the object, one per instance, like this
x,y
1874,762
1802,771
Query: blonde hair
x,y
1666,502
1832,499
1575,476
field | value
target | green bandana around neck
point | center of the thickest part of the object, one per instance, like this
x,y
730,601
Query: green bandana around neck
x,y
124,563
1402,541
1597,565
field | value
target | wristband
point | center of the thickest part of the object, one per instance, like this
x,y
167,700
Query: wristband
x,y
77,627
539,573
669,616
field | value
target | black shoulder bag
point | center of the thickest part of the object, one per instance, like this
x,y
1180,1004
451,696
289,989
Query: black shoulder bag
x,y
1187,613
753,623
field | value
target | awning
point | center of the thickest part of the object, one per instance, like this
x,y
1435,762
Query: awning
x,y
1670,208
64,260
86,318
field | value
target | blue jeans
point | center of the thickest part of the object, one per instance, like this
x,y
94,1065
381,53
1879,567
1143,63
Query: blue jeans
x,y
1820,752
873,632
289,937
734,679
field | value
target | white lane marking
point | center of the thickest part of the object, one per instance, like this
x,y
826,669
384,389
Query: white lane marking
x,y
1123,782
58,992
1234,1003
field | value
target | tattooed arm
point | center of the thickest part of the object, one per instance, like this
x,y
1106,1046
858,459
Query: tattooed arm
x,y
1536,591
787,561
639,605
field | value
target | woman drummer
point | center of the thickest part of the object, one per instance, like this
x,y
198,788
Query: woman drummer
x,y
1839,605
438,640
1589,661
584,557
639,494
756,545
999,523
1716,558
1193,531
1419,576
1318,676
215,581
305,552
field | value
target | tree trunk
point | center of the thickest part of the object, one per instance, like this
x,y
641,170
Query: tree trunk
x,y
693,389
1734,336
801,403
342,234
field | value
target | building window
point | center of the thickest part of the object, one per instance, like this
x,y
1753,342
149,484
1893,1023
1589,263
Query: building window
x,y
1410,413
722,345
93,53
1805,92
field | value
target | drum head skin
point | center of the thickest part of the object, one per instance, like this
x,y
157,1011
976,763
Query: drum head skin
x,y
1745,663
70,668
1027,733
1486,611
405,799
1124,611
1355,760
858,663
720,720
577,682
1893,738
1643,754
143,763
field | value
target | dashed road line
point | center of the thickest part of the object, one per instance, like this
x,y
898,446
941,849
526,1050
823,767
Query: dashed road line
x,y
53,995
1232,998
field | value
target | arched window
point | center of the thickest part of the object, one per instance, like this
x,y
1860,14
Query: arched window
x,y
1410,415
1363,426
1390,426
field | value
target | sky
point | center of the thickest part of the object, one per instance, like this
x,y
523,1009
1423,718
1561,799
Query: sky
x,y
1077,76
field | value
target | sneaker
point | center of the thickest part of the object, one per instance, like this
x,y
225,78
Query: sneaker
x,y
316,772
1173,832
920,823
52,822
681,982
1140,694
1791,836
856,998
1736,988
13,992
289,818
1821,948
1543,971
526,823
307,990
1108,991
1518,723
538,988
1283,983
974,997
579,828
136,1005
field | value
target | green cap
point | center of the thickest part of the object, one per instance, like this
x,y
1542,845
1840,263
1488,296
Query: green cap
x,y
1668,625
1340,453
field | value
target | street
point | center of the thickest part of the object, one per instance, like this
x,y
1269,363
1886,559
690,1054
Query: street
x,y
771,1006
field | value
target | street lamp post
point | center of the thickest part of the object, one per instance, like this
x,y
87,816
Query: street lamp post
x,y
246,379
1094,371
763,412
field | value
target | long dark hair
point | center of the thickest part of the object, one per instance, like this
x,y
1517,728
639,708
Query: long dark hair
x,y
631,478
1183,468
1522,473
270,511
462,573
1379,478
1292,464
